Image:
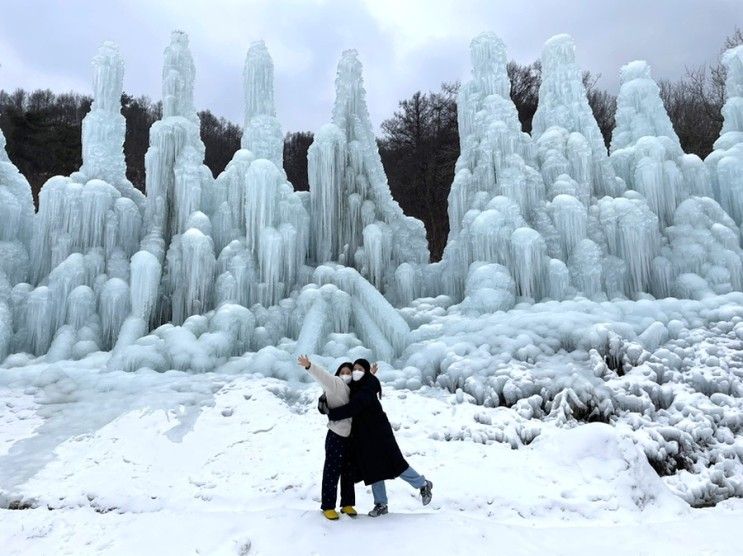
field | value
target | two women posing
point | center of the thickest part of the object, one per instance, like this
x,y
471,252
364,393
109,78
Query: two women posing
x,y
360,444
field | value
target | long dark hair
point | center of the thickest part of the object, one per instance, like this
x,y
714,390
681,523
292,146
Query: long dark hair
x,y
345,364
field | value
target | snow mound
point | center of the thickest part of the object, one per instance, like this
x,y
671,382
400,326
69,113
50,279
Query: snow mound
x,y
598,451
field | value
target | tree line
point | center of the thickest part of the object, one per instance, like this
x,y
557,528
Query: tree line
x,y
419,144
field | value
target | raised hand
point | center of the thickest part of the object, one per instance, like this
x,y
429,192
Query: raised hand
x,y
374,368
304,361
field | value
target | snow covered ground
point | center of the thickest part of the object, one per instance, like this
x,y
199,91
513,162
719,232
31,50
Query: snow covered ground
x,y
174,463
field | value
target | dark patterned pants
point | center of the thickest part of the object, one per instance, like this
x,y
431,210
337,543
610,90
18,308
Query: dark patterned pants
x,y
338,465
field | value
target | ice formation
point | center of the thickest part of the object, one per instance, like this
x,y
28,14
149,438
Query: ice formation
x,y
261,226
725,163
496,187
646,151
16,228
262,131
558,208
533,218
355,219
701,240
104,127
567,135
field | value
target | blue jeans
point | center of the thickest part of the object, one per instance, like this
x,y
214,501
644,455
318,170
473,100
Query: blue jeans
x,y
410,476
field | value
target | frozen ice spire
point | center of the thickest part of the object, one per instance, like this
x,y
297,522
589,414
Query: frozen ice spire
x,y
725,163
104,127
732,111
495,186
108,78
16,218
350,96
350,197
258,75
489,76
178,78
562,96
174,162
645,150
640,110
488,54
565,127
262,133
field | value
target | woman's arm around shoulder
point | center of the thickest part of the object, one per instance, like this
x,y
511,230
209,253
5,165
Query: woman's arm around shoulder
x,y
360,401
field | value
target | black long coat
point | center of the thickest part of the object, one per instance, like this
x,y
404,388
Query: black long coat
x,y
373,443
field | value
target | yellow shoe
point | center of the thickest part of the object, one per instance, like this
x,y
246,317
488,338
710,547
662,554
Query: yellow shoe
x,y
332,515
350,511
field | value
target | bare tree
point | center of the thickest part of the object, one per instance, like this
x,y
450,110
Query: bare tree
x,y
419,148
295,158
694,102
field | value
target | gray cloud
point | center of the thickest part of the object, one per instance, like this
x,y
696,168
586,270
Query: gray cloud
x,y
404,45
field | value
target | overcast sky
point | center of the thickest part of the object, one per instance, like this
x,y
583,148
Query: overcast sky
x,y
405,45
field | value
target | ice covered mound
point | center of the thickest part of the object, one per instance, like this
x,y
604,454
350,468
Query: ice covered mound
x,y
669,371
596,454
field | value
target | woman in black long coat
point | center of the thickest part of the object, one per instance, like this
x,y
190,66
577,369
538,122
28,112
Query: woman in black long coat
x,y
378,457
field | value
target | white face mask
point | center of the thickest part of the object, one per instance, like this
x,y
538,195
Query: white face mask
x,y
346,378
358,375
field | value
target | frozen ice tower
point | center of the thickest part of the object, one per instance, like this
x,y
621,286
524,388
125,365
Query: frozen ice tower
x,y
497,190
16,220
565,129
96,211
178,77
178,186
16,227
646,151
355,220
175,174
260,225
725,163
104,127
262,131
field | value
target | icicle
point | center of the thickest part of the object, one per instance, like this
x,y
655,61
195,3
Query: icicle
x,y
571,220
528,263
114,308
586,268
559,279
